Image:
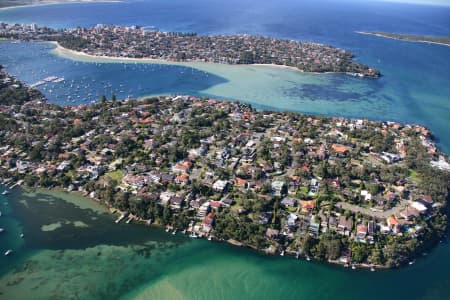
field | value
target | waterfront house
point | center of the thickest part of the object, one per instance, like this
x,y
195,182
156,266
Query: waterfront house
x,y
272,233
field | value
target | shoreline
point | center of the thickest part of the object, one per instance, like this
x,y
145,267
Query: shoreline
x,y
53,191
400,39
46,3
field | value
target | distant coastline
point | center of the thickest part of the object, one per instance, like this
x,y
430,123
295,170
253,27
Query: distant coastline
x,y
444,41
19,4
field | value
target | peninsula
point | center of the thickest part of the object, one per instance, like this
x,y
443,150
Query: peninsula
x,y
347,191
135,42
411,38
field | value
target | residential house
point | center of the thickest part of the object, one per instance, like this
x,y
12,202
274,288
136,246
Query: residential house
x,y
278,188
165,197
361,232
314,186
345,225
289,202
182,179
314,227
272,233
393,224
176,202
409,213
307,205
220,186
241,183
264,218
182,167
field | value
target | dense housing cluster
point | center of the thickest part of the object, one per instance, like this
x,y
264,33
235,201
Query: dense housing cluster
x,y
342,190
134,42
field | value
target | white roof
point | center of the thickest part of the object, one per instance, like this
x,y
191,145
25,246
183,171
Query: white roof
x,y
419,206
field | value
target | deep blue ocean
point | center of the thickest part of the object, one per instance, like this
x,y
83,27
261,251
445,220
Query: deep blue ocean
x,y
415,88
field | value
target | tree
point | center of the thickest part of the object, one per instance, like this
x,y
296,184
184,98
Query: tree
x,y
166,215
307,244
359,252
333,248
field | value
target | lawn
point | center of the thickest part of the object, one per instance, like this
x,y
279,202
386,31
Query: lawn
x,y
115,175
414,176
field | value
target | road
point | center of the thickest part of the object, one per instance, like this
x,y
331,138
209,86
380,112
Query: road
x,y
368,212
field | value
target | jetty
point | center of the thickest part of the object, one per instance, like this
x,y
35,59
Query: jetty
x,y
122,216
16,184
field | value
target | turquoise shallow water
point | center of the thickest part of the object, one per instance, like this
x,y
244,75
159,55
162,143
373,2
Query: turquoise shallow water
x,y
72,249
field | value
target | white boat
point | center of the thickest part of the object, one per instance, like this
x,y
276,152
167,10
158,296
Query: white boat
x,y
2,229
209,238
120,218
307,258
5,192
22,235
193,235
282,253
174,232
372,269
8,252
353,267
